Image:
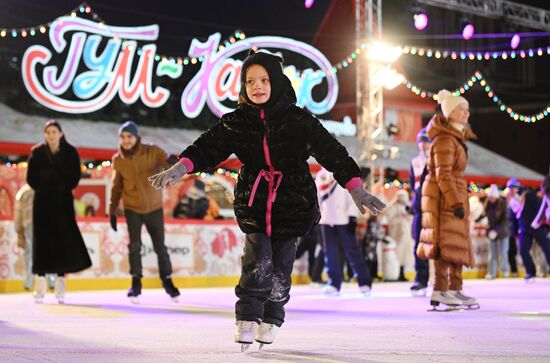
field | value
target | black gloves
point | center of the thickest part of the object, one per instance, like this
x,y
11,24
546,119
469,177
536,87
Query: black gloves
x,y
459,212
112,220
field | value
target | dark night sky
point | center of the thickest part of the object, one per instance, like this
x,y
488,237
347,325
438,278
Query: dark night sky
x,y
525,84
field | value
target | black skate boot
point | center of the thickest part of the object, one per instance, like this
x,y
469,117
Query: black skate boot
x,y
135,290
170,288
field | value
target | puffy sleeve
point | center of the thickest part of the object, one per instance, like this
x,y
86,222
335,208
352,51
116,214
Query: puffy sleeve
x,y
444,154
328,151
210,149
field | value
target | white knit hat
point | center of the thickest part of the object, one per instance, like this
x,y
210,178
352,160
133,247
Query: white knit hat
x,y
448,101
493,191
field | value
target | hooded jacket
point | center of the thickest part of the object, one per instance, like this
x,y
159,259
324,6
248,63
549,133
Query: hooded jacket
x,y
443,234
275,192
129,179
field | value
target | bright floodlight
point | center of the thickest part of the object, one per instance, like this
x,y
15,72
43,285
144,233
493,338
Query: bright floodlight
x,y
420,21
308,3
381,52
514,43
468,31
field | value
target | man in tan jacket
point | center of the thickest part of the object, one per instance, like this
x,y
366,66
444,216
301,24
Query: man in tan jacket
x,y
132,165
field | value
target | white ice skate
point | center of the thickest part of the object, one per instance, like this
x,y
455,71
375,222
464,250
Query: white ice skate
x,y
468,302
418,290
266,334
245,333
446,298
39,290
365,290
59,290
330,290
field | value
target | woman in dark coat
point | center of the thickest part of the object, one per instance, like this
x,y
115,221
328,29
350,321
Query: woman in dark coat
x,y
53,173
275,196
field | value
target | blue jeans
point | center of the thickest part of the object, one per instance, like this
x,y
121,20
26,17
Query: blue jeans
x,y
498,251
341,234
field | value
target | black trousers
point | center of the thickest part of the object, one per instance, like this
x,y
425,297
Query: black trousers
x,y
154,222
264,286
310,243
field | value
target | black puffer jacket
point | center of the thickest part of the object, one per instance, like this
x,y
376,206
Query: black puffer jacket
x,y
292,136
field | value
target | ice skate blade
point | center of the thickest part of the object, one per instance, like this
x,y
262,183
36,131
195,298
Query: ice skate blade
x,y
134,299
245,346
38,301
448,308
60,301
471,307
175,299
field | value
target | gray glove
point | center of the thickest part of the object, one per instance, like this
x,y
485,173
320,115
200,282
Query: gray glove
x,y
172,175
362,198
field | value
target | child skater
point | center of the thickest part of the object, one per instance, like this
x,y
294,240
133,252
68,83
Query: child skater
x,y
275,196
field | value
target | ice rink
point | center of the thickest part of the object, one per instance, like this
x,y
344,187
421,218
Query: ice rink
x,y
513,325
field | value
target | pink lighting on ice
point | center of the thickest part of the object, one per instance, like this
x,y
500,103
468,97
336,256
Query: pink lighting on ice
x,y
420,21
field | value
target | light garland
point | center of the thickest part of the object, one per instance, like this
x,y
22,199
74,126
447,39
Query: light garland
x,y
43,28
84,8
478,77
475,56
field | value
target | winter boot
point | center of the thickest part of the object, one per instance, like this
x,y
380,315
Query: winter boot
x,y
59,290
170,288
266,333
135,290
39,289
245,332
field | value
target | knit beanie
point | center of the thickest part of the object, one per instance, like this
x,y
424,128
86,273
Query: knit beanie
x,y
449,102
129,126
493,191
273,64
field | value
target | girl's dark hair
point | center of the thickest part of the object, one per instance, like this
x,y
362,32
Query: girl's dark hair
x,y
57,125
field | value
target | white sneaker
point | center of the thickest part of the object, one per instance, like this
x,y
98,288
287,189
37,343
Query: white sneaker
x,y
245,332
330,290
266,333
365,290
60,289
39,289
489,277
445,297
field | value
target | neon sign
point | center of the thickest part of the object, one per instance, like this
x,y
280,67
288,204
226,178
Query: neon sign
x,y
111,71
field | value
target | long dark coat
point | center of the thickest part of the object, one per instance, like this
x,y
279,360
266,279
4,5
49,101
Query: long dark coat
x,y
58,246
292,135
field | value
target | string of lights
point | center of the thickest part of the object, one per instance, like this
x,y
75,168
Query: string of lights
x,y
101,165
85,9
478,78
40,29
